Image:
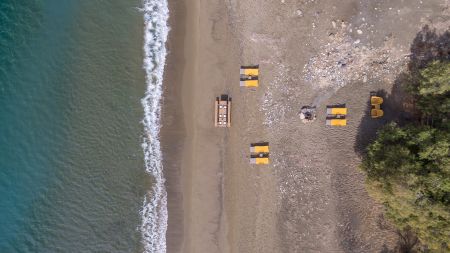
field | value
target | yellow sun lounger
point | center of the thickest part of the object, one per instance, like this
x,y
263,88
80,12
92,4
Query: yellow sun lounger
x,y
259,160
337,110
249,83
336,122
376,113
249,71
375,100
259,153
252,70
249,76
259,149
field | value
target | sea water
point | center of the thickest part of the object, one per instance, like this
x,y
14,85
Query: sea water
x,y
80,163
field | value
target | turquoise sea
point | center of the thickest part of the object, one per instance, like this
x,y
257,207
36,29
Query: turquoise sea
x,y
72,172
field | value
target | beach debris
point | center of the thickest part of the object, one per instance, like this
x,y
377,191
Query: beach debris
x,y
342,60
308,114
278,97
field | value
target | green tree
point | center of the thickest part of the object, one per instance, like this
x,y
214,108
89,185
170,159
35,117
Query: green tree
x,y
432,90
408,171
408,168
435,79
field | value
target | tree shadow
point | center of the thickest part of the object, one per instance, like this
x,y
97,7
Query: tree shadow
x,y
428,46
399,105
407,243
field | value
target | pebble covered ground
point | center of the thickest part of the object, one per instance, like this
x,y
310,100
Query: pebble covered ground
x,y
314,52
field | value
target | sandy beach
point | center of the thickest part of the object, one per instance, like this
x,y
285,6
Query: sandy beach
x,y
311,198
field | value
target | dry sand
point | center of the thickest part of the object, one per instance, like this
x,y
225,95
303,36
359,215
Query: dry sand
x,y
311,198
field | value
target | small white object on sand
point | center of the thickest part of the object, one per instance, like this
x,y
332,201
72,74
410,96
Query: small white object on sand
x,y
359,31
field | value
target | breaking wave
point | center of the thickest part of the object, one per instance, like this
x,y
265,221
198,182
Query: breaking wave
x,y
154,210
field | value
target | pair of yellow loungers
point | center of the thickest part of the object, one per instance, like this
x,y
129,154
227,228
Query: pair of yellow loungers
x,y
376,111
249,76
336,115
259,153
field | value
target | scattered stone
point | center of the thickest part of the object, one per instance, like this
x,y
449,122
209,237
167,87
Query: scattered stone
x,y
342,60
334,24
299,13
359,31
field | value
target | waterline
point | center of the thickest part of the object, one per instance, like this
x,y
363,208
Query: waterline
x,y
154,211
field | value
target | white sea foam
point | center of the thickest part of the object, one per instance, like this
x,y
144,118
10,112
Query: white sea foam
x,y
154,210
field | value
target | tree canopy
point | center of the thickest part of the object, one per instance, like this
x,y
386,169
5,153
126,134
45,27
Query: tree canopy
x,y
408,167
432,90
